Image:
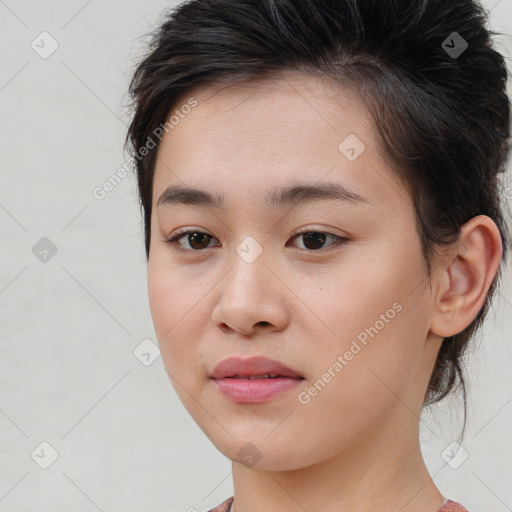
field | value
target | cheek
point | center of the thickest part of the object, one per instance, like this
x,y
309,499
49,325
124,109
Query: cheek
x,y
175,309
176,292
371,327
358,300
347,396
163,299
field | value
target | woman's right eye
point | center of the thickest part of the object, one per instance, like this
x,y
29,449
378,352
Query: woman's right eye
x,y
193,237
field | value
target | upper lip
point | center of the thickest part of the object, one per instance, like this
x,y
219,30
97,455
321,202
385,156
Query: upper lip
x,y
257,365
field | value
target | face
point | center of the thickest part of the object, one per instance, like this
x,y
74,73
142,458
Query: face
x,y
332,286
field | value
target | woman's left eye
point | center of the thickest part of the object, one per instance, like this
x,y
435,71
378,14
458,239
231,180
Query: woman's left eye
x,y
312,240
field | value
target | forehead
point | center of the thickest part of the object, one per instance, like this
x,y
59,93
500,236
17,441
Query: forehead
x,y
290,107
267,134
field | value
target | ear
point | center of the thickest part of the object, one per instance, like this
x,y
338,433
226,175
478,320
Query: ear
x,y
464,277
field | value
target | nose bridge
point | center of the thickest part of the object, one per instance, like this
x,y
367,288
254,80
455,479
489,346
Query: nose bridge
x,y
247,296
249,272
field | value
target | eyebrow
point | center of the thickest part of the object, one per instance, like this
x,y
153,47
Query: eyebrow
x,y
293,195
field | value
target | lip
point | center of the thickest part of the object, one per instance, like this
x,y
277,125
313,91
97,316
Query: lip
x,y
245,391
252,366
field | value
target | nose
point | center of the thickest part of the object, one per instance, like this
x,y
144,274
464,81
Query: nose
x,y
252,298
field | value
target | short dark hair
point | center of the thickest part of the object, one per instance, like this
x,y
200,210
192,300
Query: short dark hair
x,y
440,109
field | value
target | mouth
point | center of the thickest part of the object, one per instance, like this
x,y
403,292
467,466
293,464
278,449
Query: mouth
x,y
257,367
254,380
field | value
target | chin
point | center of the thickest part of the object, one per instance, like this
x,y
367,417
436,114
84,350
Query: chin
x,y
259,455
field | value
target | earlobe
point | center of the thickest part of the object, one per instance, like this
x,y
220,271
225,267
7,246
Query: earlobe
x,y
464,282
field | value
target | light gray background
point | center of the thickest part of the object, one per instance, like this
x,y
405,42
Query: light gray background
x,y
69,326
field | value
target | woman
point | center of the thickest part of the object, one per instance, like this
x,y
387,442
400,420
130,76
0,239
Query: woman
x,y
319,183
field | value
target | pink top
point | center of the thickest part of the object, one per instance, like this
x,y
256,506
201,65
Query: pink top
x,y
449,506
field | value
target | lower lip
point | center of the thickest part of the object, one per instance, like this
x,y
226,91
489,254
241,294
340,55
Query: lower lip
x,y
245,391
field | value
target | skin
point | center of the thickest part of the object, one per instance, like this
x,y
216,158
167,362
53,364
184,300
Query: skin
x,y
354,447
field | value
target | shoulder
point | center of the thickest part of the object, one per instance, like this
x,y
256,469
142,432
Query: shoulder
x,y
452,506
225,506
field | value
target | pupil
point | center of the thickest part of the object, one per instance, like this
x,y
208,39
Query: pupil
x,y
315,238
193,236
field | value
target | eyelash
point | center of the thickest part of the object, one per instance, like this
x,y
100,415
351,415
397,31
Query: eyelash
x,y
173,241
